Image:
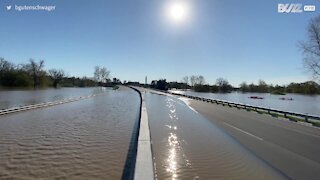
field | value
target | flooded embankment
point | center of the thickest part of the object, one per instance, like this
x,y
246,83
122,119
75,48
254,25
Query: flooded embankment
x,y
299,103
21,97
87,139
188,146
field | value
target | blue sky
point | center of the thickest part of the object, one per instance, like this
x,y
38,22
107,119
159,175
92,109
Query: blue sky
x,y
241,41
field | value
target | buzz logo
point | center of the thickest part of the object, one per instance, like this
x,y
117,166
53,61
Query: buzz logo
x,y
290,8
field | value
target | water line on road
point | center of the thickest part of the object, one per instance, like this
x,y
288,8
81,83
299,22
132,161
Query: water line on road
x,y
187,102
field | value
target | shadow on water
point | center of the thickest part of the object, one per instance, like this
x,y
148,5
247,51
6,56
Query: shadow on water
x,y
129,167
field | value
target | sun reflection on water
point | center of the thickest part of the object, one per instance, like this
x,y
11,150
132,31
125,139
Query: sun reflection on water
x,y
172,158
173,142
176,159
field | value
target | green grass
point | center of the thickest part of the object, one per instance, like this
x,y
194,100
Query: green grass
x,y
291,118
278,93
115,87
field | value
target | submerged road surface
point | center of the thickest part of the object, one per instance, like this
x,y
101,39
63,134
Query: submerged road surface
x,y
87,139
290,147
188,146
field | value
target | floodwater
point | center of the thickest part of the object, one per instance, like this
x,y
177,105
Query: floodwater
x,y
300,103
14,98
87,139
187,146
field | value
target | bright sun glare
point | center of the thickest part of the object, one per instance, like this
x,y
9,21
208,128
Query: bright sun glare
x,y
177,11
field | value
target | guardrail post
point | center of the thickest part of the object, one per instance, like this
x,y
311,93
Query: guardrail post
x,y
273,112
306,118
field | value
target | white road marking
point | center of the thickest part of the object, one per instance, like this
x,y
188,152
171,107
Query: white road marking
x,y
244,132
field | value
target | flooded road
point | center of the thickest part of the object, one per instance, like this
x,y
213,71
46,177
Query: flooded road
x,y
14,98
299,103
187,146
87,139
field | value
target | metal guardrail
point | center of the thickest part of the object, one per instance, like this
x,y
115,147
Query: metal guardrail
x,y
42,105
305,117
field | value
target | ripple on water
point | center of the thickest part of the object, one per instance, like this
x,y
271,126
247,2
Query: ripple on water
x,y
87,139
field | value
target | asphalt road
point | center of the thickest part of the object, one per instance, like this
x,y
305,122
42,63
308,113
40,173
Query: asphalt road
x,y
292,148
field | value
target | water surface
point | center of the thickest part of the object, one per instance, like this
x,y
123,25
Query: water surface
x,y
187,146
301,103
14,98
87,139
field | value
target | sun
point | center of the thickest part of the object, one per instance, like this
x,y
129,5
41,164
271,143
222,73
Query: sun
x,y
177,11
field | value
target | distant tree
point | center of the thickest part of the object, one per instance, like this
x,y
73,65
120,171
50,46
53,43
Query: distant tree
x,y
252,87
177,85
116,81
153,84
101,74
263,87
36,71
244,87
309,87
162,84
97,75
193,80
224,85
5,65
311,47
57,76
185,80
104,73
200,80
201,88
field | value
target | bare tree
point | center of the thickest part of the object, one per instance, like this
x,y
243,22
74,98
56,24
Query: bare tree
x,y
5,65
104,73
220,81
36,71
200,80
185,80
57,75
223,85
101,74
244,87
311,47
97,75
193,80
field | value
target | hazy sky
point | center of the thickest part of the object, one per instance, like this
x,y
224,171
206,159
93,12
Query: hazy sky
x,y
243,40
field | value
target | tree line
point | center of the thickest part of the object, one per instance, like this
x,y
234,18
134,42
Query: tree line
x,y
194,82
309,87
33,74
198,84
